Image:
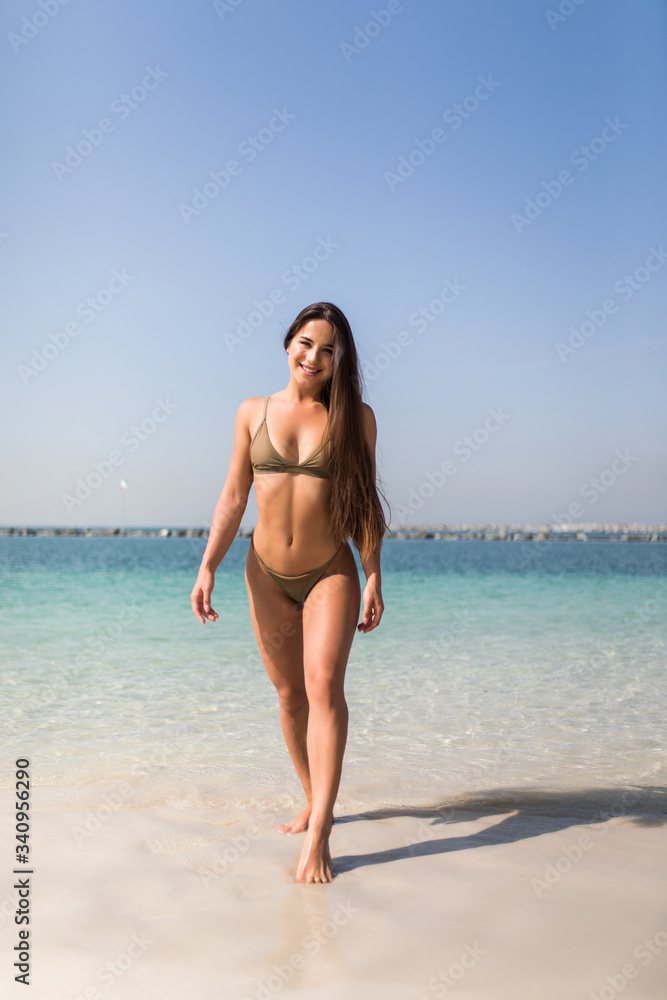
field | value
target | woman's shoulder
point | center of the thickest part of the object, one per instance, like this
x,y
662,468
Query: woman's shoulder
x,y
249,413
369,416
251,405
370,424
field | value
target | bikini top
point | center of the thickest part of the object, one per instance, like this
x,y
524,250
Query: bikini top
x,y
264,458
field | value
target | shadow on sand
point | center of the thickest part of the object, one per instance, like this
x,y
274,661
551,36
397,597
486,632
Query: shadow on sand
x,y
533,812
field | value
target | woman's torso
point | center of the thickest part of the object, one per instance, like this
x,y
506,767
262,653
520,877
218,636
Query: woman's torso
x,y
292,487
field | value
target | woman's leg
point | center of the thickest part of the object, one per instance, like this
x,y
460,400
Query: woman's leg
x,y
330,616
278,630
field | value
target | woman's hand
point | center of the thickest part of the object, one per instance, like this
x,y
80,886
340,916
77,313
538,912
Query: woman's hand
x,y
201,597
373,608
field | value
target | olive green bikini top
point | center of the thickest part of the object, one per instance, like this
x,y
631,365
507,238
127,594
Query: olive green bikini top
x,y
264,458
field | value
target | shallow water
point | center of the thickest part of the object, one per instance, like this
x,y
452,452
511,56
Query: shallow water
x,y
497,664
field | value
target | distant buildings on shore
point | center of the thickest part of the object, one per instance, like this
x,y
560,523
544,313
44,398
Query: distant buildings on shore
x,y
438,532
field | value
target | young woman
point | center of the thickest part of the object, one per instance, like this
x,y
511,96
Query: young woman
x,y
310,452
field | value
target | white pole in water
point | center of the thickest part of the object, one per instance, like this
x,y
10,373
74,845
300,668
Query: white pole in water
x,y
123,487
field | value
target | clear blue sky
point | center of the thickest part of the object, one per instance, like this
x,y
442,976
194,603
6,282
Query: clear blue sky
x,y
153,97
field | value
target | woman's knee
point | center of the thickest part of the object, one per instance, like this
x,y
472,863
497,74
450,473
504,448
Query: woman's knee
x,y
293,699
325,691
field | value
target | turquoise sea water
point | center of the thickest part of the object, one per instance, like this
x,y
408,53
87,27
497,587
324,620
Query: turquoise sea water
x,y
497,664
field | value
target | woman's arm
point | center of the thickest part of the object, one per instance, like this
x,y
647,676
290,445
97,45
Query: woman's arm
x,y
227,516
372,595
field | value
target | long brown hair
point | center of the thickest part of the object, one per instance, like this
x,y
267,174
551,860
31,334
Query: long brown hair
x,y
356,510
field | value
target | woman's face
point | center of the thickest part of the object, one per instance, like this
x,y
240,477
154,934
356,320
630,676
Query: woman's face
x,y
310,353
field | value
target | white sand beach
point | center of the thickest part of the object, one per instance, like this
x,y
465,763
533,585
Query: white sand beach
x,y
504,895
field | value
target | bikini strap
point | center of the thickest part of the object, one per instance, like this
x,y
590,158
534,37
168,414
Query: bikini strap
x,y
266,403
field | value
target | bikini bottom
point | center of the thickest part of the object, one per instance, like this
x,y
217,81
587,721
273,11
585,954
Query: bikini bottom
x,y
296,587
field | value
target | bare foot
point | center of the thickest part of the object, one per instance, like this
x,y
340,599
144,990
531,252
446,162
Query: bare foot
x,y
297,825
315,861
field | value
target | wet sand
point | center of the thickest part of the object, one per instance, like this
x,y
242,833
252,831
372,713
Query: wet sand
x,y
507,894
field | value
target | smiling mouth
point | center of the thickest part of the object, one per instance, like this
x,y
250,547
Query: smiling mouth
x,y
310,371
